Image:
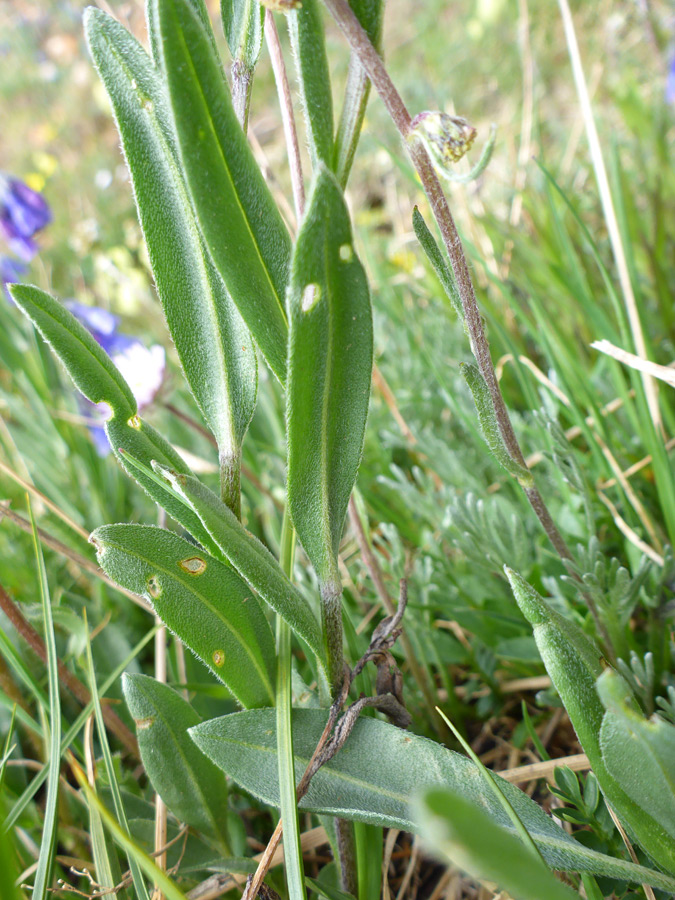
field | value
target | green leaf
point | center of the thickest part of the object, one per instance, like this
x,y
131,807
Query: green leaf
x,y
305,28
45,863
243,228
213,343
489,425
251,559
439,263
90,367
200,599
243,27
191,786
465,835
574,665
329,368
639,753
374,776
135,440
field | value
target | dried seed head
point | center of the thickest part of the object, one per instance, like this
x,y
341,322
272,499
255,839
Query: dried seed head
x,y
447,138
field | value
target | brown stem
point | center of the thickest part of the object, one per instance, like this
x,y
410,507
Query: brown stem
x,y
361,45
287,117
66,677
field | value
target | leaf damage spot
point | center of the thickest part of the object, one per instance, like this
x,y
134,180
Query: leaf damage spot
x,y
218,658
134,422
346,252
154,587
310,297
144,723
193,565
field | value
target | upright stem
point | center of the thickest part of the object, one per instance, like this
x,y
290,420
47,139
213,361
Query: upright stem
x,y
372,63
331,621
230,480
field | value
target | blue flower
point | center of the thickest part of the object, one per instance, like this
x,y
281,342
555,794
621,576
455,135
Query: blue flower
x,y
23,212
670,83
142,367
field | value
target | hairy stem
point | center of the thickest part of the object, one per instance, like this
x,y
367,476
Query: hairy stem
x,y
230,480
372,63
242,82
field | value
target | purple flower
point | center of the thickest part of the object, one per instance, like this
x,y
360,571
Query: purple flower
x,y
23,212
142,367
670,83
11,269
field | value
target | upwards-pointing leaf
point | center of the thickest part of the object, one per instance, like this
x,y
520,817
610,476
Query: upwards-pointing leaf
x,y
200,600
638,752
376,773
243,228
214,345
253,561
193,788
243,27
465,835
90,367
574,665
329,368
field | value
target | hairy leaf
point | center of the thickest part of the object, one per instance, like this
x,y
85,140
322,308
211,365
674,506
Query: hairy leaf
x,y
243,228
251,559
305,27
90,367
639,753
574,665
375,775
467,836
200,599
192,787
329,368
243,27
213,344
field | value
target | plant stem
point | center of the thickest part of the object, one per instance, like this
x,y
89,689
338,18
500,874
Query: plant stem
x,y
242,82
230,480
372,63
285,755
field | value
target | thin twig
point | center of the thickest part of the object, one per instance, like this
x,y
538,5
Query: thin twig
x,y
26,485
66,677
287,117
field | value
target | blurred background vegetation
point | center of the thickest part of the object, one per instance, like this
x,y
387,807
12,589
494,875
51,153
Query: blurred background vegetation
x,y
438,507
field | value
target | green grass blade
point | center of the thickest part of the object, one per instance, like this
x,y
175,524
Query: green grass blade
x,y
50,825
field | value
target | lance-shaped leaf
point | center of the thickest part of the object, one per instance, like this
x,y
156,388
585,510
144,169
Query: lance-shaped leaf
x,y
90,367
213,343
375,775
192,787
638,752
574,665
136,440
464,834
243,228
251,559
489,425
439,263
305,27
329,368
200,599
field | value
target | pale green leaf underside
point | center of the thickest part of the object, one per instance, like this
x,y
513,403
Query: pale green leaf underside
x,y
242,226
192,787
200,599
638,752
213,344
465,835
329,370
374,776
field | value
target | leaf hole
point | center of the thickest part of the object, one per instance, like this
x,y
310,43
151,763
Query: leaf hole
x,y
346,252
218,658
310,297
134,422
193,565
154,587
